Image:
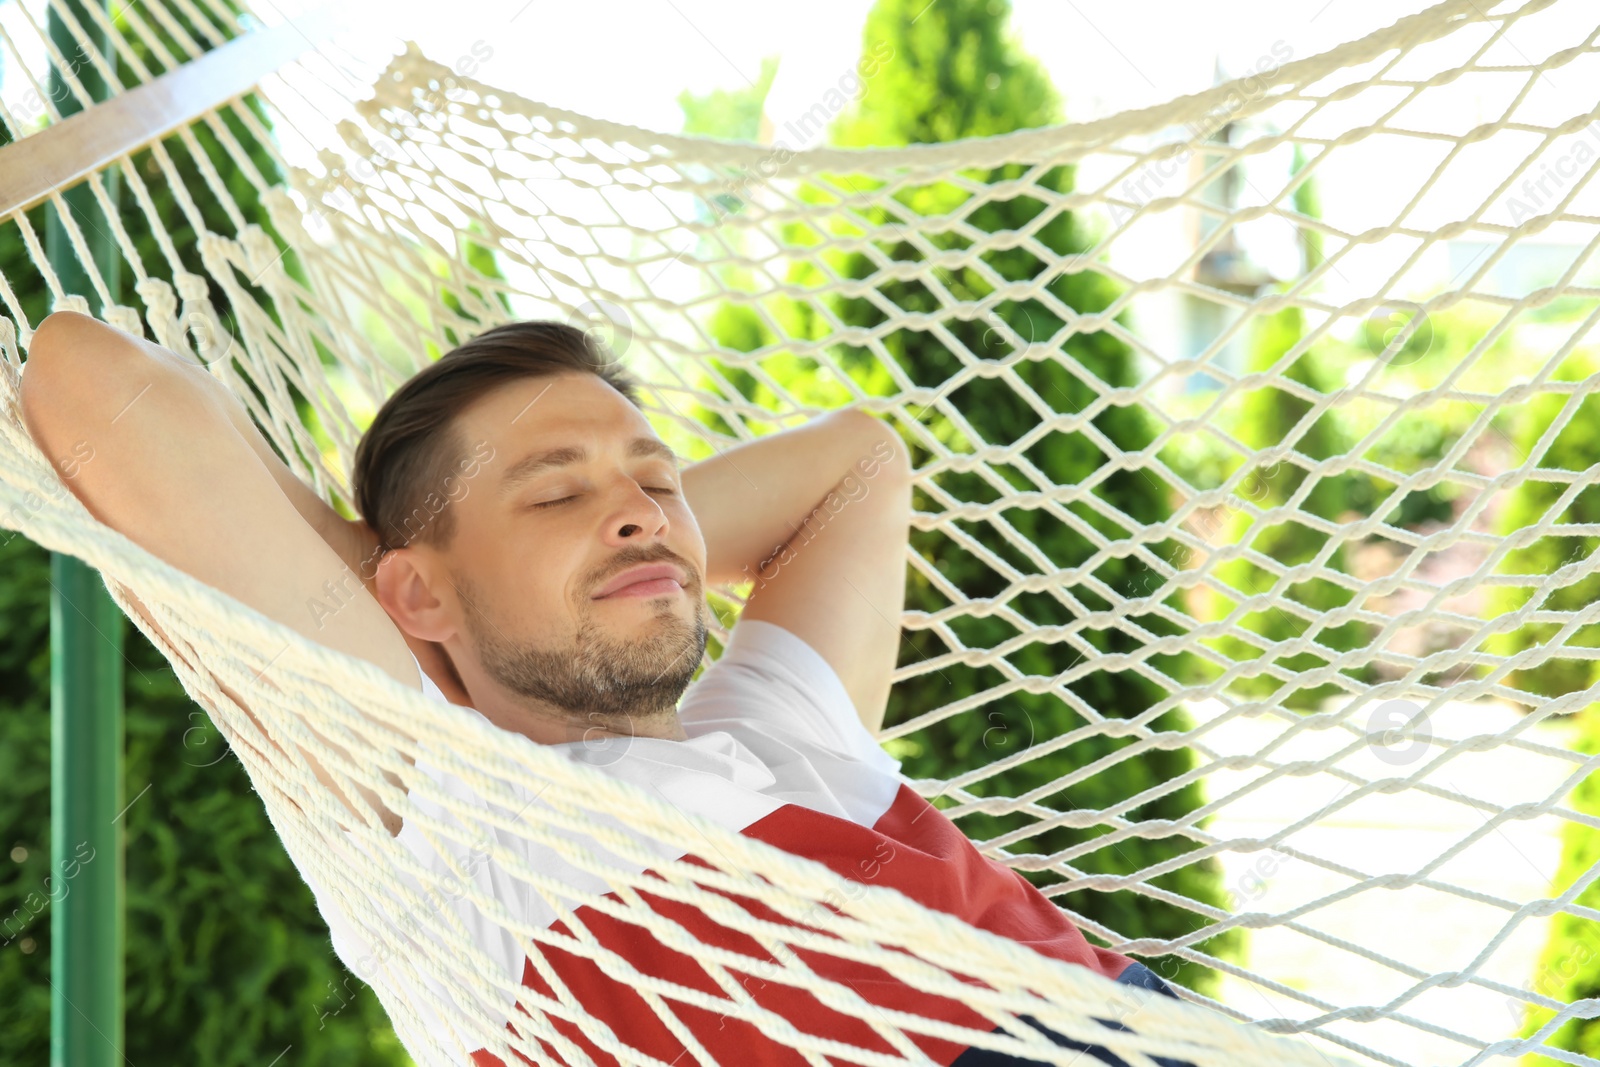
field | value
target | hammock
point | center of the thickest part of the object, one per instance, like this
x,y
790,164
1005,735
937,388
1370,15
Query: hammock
x,y
419,207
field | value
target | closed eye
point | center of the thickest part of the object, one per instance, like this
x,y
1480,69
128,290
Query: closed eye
x,y
666,489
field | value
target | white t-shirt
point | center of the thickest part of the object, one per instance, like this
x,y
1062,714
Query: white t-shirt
x,y
769,723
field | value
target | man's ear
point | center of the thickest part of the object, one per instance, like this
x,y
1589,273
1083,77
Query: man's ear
x,y
403,585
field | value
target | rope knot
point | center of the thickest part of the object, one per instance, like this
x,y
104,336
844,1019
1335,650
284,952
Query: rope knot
x,y
192,286
10,359
159,300
260,250
126,319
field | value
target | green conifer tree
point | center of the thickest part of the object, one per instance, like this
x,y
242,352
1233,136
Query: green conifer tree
x,y
941,72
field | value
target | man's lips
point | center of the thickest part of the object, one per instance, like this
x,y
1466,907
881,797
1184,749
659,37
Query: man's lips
x,y
650,579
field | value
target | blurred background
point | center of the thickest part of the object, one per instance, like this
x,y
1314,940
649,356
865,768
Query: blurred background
x,y
229,962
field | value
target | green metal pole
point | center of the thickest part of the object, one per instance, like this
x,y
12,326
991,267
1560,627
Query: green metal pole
x,y
87,935
86,838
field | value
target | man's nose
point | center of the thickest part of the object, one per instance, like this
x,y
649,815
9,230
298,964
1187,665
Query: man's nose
x,y
638,517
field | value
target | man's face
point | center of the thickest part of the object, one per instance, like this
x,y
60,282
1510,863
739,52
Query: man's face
x,y
577,567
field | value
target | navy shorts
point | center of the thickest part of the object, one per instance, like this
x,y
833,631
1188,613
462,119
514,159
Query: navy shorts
x,y
1137,974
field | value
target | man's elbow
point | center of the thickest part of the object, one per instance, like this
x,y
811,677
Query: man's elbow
x,y
80,373
57,324
60,339
48,377
65,360
98,404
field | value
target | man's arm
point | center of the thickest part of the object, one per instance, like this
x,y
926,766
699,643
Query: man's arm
x,y
171,470
351,540
818,518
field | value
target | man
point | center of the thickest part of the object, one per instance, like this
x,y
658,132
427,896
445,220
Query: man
x,y
529,549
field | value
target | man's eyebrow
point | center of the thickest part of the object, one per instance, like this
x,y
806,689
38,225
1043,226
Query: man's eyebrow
x,y
535,463
640,447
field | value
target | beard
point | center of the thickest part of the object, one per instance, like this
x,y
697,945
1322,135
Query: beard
x,y
597,678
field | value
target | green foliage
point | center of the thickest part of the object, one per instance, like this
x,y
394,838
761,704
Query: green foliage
x,y
937,87
228,960
1558,433
1573,447
1271,415
731,113
932,82
1569,967
24,801
1421,438
955,73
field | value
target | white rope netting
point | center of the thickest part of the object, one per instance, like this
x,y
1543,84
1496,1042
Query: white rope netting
x,y
1228,539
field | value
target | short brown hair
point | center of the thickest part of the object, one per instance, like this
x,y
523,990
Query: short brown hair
x,y
414,447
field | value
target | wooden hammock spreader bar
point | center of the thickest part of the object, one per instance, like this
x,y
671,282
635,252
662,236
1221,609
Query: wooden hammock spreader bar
x,y
68,151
